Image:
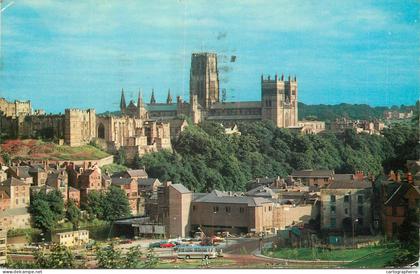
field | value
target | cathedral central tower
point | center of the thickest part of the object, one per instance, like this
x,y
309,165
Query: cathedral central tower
x,y
204,79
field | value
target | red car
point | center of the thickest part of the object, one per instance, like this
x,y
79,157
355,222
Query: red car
x,y
167,245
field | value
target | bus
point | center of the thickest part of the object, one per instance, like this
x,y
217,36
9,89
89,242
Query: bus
x,y
198,252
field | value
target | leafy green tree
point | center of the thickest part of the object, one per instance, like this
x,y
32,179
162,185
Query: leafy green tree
x,y
108,257
94,205
121,157
47,209
42,215
73,214
115,204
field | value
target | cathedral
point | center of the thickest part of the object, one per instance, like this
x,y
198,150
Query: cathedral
x,y
278,103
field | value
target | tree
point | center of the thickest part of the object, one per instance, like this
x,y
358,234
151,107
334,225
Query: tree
x,y
94,204
121,157
108,257
42,215
59,257
73,214
115,204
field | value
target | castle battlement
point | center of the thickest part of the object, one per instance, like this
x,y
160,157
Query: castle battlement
x,y
277,79
78,110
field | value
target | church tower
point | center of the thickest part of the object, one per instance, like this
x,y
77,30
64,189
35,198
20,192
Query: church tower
x,y
169,99
152,98
279,101
123,106
141,110
204,79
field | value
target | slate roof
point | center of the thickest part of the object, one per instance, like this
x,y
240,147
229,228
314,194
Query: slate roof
x,y
224,198
162,107
136,173
236,105
180,188
147,182
121,181
22,171
350,184
261,191
312,173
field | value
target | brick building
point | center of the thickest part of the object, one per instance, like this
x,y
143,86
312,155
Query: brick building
x,y
130,186
346,206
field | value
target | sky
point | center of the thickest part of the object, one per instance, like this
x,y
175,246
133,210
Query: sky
x,y
81,53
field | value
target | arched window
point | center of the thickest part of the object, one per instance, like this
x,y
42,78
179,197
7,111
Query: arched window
x,y
101,131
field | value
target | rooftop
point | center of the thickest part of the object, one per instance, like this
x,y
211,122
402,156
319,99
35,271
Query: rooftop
x,y
120,181
180,188
349,184
136,173
227,198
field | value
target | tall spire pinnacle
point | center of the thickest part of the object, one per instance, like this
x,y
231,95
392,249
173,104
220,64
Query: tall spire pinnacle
x,y
123,106
169,99
139,99
152,98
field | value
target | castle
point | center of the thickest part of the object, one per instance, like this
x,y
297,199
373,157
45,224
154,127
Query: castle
x,y
278,99
141,128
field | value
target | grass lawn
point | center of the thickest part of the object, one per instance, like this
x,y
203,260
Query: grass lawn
x,y
195,263
39,150
376,260
324,254
114,168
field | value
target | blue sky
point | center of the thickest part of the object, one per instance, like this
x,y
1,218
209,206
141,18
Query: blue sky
x,y
80,53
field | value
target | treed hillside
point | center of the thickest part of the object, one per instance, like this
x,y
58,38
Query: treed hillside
x,y
205,158
352,111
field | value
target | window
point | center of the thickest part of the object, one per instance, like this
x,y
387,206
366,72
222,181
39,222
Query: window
x,y
360,210
241,210
346,211
215,209
346,198
193,207
360,199
332,198
333,222
227,209
269,208
360,221
17,201
332,209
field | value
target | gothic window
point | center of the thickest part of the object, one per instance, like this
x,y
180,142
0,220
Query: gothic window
x,y
101,131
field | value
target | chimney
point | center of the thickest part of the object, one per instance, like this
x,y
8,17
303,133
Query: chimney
x,y
409,178
358,175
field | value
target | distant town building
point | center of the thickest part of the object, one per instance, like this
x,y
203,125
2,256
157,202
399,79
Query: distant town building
x,y
314,178
71,238
404,198
130,187
347,206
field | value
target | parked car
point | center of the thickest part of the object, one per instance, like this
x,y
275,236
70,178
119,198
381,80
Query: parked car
x,y
156,244
167,245
127,241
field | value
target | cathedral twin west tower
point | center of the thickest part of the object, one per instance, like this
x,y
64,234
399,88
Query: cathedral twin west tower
x,y
278,99
143,128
